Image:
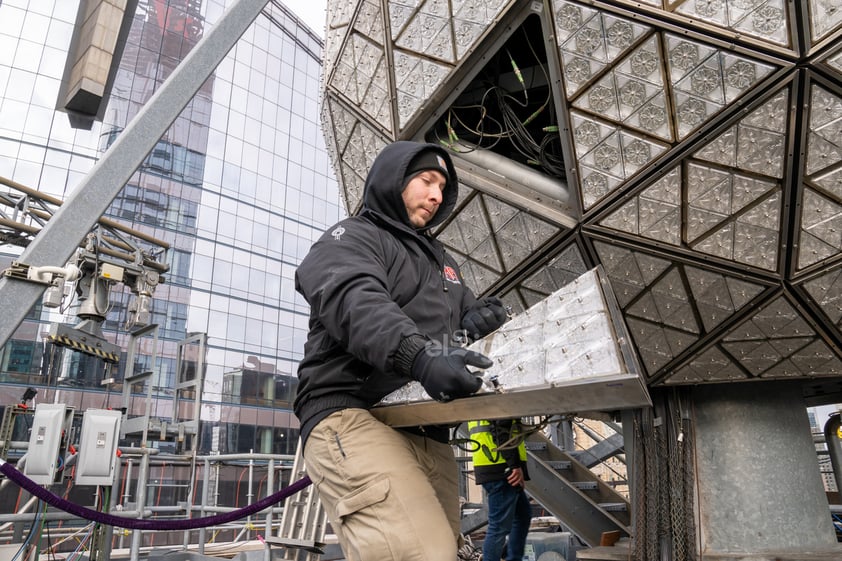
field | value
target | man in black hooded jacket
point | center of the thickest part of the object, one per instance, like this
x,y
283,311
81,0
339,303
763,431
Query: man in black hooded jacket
x,y
387,306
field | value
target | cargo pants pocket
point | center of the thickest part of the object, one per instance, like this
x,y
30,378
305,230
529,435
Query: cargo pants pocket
x,y
363,514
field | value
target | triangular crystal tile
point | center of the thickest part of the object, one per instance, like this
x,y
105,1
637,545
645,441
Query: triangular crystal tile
x,y
830,182
717,296
780,320
498,212
788,347
679,340
711,365
589,40
708,189
660,222
673,303
486,252
722,150
651,342
754,356
655,213
699,222
343,123
742,292
562,269
624,219
650,267
705,79
400,12
825,18
540,283
772,115
520,237
823,143
767,21
835,61
719,244
377,100
826,292
761,151
820,228
531,297
471,18
704,82
756,234
653,117
369,21
602,99
821,153
629,272
429,32
645,308
468,229
637,152
813,250
416,79
477,275
353,188
745,190
817,359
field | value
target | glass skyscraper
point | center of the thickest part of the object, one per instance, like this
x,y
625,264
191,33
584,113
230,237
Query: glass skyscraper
x,y
239,187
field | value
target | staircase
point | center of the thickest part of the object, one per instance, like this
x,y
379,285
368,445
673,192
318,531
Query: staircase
x,y
580,500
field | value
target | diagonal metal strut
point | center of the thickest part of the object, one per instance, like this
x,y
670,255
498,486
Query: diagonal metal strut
x,y
55,244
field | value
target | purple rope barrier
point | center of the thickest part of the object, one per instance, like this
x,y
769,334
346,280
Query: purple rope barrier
x,y
140,524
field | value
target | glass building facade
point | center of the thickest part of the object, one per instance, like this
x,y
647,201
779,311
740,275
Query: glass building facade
x,y
239,187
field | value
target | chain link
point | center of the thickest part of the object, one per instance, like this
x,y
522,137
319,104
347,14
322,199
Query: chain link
x,y
663,476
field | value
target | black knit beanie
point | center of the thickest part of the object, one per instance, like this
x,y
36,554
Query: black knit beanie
x,y
424,160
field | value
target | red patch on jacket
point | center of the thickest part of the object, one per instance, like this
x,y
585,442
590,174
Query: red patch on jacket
x,y
450,275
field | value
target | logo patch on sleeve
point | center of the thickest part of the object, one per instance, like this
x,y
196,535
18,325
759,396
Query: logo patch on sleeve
x,y
450,275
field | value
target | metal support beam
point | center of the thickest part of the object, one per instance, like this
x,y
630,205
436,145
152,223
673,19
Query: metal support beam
x,y
56,242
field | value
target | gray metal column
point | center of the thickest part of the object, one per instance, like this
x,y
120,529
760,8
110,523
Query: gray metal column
x,y
74,219
758,477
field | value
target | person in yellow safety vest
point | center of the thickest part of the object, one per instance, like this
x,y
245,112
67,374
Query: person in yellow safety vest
x,y
499,458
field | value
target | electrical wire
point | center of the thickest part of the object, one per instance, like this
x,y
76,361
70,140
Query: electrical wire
x,y
488,131
31,533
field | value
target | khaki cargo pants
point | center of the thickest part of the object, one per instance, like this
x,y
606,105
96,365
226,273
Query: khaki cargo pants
x,y
389,495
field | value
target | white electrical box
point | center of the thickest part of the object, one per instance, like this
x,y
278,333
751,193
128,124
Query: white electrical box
x,y
42,457
97,460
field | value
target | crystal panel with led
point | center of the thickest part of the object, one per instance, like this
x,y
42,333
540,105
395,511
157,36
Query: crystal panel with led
x,y
569,353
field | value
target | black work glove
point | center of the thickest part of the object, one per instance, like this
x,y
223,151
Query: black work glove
x,y
443,371
484,317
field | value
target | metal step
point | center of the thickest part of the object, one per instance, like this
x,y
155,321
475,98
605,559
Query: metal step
x,y
614,507
574,495
559,464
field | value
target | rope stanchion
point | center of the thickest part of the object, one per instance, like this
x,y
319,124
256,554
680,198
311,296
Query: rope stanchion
x,y
30,486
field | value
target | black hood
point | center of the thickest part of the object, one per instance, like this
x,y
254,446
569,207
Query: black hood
x,y
385,183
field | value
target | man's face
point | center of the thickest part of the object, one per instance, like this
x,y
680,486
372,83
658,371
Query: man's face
x,y
422,196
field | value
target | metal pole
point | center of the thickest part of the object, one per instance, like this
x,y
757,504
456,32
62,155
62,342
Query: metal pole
x,y
205,483
249,496
142,476
124,500
270,488
55,244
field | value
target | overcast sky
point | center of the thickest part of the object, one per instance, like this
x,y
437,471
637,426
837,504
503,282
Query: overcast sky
x,y
312,12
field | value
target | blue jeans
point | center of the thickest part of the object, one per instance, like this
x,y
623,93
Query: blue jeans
x,y
509,514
